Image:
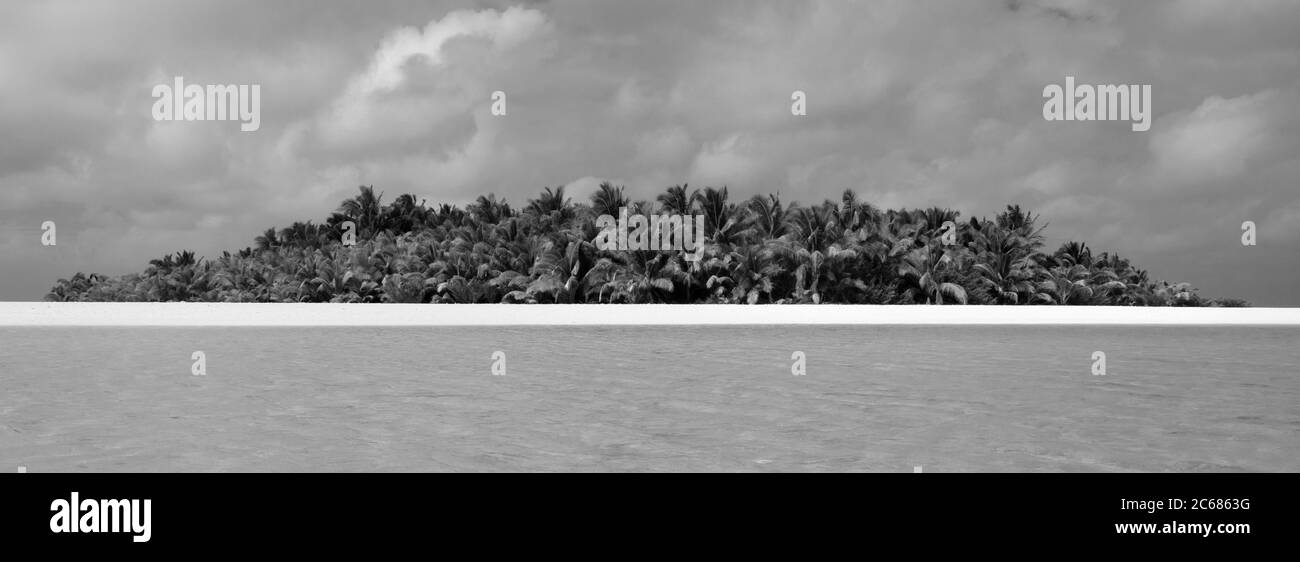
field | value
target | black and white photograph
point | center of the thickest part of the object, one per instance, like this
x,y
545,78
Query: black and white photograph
x,y
357,241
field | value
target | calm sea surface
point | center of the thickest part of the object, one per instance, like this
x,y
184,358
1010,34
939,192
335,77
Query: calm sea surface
x,y
876,398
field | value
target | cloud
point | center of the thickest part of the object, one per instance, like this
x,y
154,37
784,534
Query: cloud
x,y
1218,139
725,160
910,103
373,110
663,147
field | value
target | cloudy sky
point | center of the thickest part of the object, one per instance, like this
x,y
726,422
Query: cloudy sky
x,y
911,103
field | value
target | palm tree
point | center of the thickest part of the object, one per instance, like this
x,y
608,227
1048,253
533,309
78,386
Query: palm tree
x,y
303,235
550,202
815,228
722,220
829,273
1178,294
175,277
1078,285
607,200
74,289
767,218
405,215
853,214
677,200
844,251
1073,253
366,210
932,219
488,209
648,277
560,272
718,213
751,271
448,215
267,241
924,275
1006,262
1021,222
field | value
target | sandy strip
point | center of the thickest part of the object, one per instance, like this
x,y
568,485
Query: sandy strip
x,y
306,314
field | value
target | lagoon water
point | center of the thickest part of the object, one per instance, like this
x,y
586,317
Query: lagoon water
x,y
692,398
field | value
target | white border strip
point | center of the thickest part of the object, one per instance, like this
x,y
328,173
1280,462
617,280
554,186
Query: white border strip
x,y
306,314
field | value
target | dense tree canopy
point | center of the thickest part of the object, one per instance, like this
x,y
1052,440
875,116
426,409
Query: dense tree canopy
x,y
757,251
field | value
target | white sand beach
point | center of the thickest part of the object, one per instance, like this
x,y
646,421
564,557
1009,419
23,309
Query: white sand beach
x,y
312,314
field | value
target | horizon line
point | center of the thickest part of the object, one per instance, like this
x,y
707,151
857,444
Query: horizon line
x,y
201,314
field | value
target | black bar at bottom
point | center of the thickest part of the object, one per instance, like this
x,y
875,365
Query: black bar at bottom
x,y
917,513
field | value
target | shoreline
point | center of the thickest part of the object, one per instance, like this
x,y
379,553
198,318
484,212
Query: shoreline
x,y
36,314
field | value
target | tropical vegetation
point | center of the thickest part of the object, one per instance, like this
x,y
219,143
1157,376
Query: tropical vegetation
x,y
757,251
